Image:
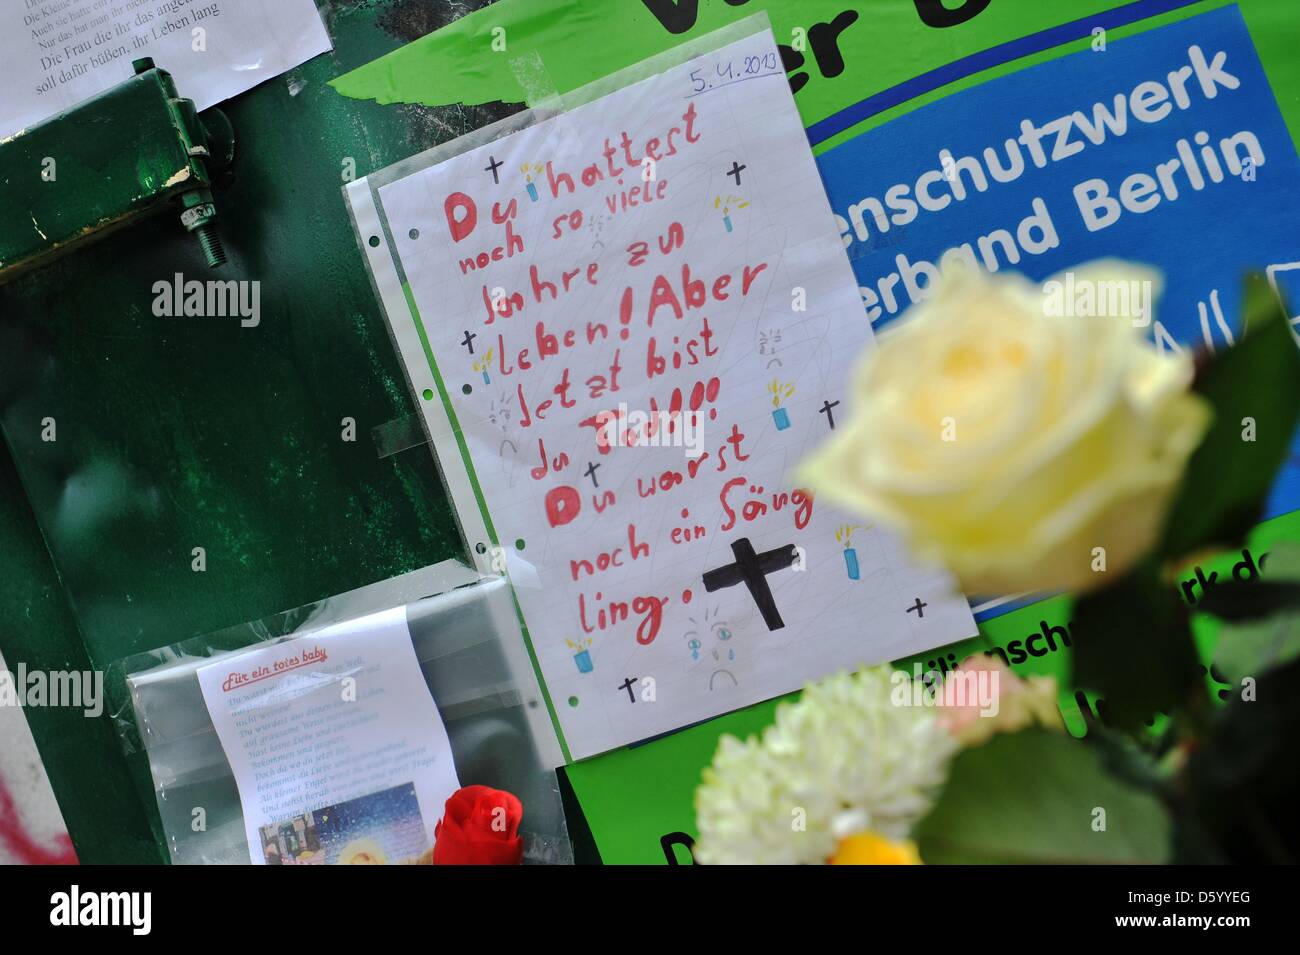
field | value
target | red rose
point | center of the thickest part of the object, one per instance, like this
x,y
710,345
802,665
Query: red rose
x,y
480,826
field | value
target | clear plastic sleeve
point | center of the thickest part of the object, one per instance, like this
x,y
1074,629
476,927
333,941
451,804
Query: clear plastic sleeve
x,y
471,653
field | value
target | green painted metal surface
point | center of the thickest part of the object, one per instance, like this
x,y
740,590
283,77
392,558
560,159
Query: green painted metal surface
x,y
174,433
131,151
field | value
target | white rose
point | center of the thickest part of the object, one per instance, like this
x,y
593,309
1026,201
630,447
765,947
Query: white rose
x,y
1009,445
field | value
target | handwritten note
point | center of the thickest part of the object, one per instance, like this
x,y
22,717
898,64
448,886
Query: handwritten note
x,y
336,746
642,317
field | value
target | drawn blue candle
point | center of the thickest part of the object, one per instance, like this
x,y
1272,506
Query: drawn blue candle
x,y
486,379
583,659
851,563
726,221
532,190
780,392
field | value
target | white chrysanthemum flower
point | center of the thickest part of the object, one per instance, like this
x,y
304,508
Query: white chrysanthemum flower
x,y
843,759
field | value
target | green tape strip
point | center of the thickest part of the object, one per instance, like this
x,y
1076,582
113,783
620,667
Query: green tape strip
x,y
482,506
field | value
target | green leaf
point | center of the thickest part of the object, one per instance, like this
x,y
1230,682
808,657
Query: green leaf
x,y
1252,649
1133,646
1031,797
1262,628
1242,785
1228,478
1249,601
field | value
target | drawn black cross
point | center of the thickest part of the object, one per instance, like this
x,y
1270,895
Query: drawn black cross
x,y
918,607
468,340
826,410
591,473
493,165
627,685
735,171
751,570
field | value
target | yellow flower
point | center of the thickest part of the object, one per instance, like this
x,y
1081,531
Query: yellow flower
x,y
868,848
1022,449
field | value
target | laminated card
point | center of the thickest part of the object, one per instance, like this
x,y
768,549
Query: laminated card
x,y
336,745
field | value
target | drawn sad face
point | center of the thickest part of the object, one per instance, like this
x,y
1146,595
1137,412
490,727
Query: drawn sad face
x,y
769,343
712,646
499,416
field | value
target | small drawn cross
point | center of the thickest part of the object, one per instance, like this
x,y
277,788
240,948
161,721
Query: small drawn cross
x,y
627,685
468,340
735,170
493,165
918,607
752,569
826,410
591,473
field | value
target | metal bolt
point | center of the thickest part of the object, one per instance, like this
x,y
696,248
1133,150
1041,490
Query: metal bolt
x,y
213,251
199,216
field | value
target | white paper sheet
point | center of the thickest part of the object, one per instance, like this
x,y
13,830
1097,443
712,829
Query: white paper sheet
x,y
336,745
634,634
59,52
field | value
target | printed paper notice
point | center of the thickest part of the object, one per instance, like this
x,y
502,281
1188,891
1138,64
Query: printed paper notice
x,y
336,745
643,319
60,52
